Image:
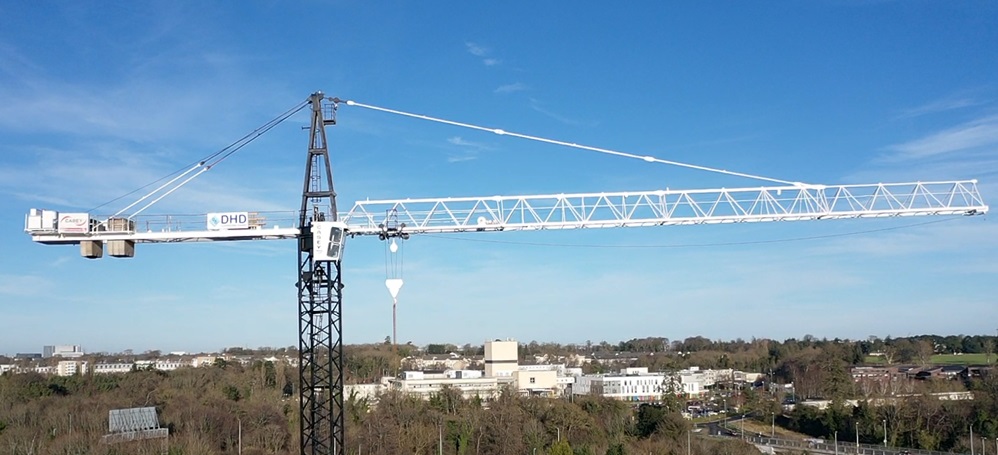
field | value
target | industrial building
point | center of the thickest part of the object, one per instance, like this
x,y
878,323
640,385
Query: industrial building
x,y
67,351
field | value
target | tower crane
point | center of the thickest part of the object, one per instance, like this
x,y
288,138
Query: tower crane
x,y
321,231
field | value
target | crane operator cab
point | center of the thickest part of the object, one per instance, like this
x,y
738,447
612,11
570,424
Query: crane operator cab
x,y
328,238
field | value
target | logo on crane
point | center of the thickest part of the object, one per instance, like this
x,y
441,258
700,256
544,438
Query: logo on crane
x,y
74,223
228,220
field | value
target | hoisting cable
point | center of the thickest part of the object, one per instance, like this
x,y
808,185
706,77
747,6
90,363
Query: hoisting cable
x,y
393,265
202,165
646,158
393,269
393,279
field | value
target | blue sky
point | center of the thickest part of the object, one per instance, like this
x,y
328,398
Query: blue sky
x,y
99,98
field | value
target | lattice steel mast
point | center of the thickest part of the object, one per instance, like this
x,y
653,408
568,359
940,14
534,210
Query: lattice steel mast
x,y
320,299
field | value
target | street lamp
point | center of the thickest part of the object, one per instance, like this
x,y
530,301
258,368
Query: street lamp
x,y
836,442
857,436
885,432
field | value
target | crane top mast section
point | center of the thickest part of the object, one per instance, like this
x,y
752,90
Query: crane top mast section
x,y
318,186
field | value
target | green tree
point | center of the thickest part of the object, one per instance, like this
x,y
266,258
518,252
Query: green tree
x,y
616,449
269,375
232,393
657,419
436,349
561,448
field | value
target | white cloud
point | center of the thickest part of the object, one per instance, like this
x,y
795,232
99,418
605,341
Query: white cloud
x,y
971,135
60,261
88,177
470,149
536,106
916,238
510,88
467,156
458,140
163,96
483,52
23,285
943,105
476,50
721,293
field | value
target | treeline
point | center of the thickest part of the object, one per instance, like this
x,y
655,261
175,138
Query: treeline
x,y
515,425
818,367
922,422
202,407
206,409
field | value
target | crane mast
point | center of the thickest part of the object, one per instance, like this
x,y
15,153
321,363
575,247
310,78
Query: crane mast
x,y
320,233
320,299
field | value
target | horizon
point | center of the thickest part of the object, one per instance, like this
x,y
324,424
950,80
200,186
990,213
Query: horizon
x,y
612,344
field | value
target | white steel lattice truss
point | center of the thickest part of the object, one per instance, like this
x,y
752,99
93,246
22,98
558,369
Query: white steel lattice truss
x,y
669,207
590,210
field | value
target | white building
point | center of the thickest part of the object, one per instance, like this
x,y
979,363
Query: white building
x,y
161,365
112,368
67,351
501,368
690,384
169,365
452,361
536,381
425,385
501,358
70,367
204,360
751,378
631,384
368,392
712,377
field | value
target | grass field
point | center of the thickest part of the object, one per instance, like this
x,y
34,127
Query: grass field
x,y
945,359
753,427
963,359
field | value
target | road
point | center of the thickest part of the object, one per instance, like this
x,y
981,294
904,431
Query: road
x,y
729,428
842,448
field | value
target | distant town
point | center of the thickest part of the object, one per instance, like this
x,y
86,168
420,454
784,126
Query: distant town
x,y
627,371
636,396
